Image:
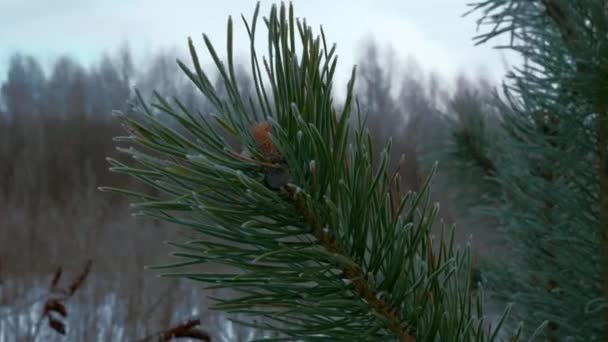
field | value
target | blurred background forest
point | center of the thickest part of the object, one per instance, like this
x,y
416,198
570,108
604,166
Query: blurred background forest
x,y
56,130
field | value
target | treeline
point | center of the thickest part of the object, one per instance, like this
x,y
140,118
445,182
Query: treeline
x,y
56,125
70,89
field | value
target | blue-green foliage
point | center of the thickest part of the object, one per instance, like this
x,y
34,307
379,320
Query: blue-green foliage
x,y
543,158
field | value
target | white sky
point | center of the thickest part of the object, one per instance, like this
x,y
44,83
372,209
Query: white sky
x,y
432,31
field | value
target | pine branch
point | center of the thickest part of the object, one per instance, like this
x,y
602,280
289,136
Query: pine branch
x,y
550,194
469,149
469,141
317,242
558,15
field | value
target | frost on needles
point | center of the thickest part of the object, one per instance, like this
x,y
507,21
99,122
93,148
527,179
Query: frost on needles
x,y
282,189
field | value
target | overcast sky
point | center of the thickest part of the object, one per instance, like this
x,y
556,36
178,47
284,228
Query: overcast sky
x,y
432,31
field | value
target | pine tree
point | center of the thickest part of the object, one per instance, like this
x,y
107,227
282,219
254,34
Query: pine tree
x,y
284,191
539,168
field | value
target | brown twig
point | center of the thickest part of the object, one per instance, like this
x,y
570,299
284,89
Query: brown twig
x,y
57,325
187,329
77,283
55,301
56,277
54,305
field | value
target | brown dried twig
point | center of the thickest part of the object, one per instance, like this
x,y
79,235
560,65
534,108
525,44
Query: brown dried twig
x,y
54,308
187,329
77,283
56,277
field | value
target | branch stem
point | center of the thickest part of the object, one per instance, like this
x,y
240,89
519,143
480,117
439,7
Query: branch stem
x,y
353,273
602,144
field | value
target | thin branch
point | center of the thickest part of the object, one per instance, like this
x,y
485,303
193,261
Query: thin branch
x,y
187,329
354,274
